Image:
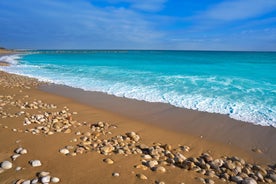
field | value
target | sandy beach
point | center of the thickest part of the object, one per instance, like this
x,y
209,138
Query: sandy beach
x,y
72,136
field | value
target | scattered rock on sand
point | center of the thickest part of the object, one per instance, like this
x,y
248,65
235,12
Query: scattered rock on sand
x,y
35,163
55,179
160,169
46,179
15,156
43,173
108,161
6,165
115,174
152,163
141,176
64,151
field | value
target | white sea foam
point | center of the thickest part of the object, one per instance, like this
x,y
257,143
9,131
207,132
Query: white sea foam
x,y
11,59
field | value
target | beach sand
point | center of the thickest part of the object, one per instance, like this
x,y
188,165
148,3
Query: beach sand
x,y
148,142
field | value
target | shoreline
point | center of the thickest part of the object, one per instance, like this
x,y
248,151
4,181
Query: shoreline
x,y
212,126
88,166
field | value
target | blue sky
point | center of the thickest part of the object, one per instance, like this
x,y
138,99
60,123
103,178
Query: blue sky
x,y
138,24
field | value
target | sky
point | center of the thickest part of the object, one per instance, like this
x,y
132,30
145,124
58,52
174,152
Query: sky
x,y
139,24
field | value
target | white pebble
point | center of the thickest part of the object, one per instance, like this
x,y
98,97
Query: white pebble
x,y
43,173
15,156
6,165
18,168
115,174
34,181
35,163
26,182
45,179
55,179
23,151
18,150
64,151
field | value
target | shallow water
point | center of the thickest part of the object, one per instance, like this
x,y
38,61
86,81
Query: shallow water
x,y
239,84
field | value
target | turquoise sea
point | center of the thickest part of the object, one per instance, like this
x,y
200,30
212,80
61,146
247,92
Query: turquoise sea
x,y
241,85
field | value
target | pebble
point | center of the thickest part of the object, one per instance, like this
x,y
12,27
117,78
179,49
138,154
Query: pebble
x,y
34,181
249,181
35,163
108,161
256,150
152,163
55,179
159,182
15,156
43,173
6,165
209,181
141,176
64,151
26,182
18,168
147,157
272,177
115,174
140,166
46,179
23,151
160,169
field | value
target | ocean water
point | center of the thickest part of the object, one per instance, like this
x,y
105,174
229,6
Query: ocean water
x,y
241,85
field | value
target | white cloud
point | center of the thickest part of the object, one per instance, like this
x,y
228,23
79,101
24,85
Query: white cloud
x,y
240,9
145,5
76,24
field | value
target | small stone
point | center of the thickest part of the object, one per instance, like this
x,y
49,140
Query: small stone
x,y
115,174
209,181
152,163
26,182
18,150
64,151
43,173
141,176
107,149
23,151
67,131
15,156
6,165
55,179
147,157
143,167
160,169
273,177
236,179
159,182
249,181
201,180
257,150
34,181
35,163
108,161
46,179
18,168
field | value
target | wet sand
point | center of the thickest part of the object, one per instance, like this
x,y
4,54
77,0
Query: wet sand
x,y
160,128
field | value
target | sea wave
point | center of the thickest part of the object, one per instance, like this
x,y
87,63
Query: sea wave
x,y
11,59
